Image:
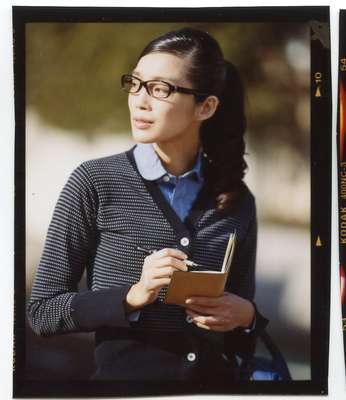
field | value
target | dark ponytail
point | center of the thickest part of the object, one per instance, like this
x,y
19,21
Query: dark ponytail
x,y
222,138
222,135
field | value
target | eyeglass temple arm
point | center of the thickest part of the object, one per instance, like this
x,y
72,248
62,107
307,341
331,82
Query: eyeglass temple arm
x,y
188,91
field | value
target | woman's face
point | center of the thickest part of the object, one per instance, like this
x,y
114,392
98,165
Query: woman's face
x,y
172,119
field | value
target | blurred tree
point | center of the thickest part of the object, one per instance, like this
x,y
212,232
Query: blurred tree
x,y
73,71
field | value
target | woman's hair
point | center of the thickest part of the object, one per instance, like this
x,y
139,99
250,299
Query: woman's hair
x,y
222,135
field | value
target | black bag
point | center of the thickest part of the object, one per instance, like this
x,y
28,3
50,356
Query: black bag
x,y
262,369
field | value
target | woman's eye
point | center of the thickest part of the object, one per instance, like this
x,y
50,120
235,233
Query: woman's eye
x,y
160,90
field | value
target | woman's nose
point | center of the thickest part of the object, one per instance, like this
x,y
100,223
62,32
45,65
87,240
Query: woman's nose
x,y
142,98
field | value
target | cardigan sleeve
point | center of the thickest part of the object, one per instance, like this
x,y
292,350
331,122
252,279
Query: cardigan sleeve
x,y
242,275
55,305
242,283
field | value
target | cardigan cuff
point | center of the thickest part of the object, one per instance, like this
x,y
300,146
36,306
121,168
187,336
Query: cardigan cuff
x,y
91,310
258,324
240,341
252,326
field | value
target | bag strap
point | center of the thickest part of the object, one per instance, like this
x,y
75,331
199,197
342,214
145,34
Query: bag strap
x,y
275,353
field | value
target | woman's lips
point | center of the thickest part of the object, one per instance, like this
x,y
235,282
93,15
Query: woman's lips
x,y
142,123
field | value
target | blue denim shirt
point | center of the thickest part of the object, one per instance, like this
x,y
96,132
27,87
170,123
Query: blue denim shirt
x,y
180,191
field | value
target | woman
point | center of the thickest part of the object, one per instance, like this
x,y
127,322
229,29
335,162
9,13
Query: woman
x,y
179,193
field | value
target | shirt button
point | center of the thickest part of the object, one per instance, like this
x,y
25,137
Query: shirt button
x,y
184,241
189,319
166,178
191,357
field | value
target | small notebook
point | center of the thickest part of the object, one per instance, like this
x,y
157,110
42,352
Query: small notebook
x,y
201,283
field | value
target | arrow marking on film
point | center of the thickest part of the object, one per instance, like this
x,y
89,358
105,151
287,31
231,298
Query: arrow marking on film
x,y
318,242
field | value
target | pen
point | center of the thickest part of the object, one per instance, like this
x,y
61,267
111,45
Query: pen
x,y
187,262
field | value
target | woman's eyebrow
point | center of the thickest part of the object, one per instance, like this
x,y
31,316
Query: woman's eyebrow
x,y
157,77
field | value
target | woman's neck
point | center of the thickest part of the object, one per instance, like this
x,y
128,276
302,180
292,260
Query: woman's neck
x,y
177,159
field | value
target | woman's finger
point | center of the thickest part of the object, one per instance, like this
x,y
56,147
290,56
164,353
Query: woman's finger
x,y
208,320
164,272
204,310
216,328
217,324
158,283
168,252
169,261
205,301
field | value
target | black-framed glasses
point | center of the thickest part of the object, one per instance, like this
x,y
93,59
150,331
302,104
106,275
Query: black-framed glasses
x,y
155,88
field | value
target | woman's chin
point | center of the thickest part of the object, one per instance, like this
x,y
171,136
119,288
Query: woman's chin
x,y
143,137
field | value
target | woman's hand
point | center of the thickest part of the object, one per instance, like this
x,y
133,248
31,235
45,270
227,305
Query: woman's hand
x,y
156,273
222,313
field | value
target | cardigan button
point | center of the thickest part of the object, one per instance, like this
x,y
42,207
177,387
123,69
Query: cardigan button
x,y
166,178
184,241
189,319
191,357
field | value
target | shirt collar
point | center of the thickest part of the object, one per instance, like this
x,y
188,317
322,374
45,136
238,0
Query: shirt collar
x,y
150,167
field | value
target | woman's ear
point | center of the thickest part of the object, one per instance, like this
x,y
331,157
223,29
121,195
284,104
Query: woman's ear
x,y
207,108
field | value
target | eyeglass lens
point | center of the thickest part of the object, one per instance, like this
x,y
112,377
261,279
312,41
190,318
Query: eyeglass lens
x,y
156,88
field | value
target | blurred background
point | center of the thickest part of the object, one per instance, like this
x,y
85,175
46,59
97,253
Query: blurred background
x,y
76,111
